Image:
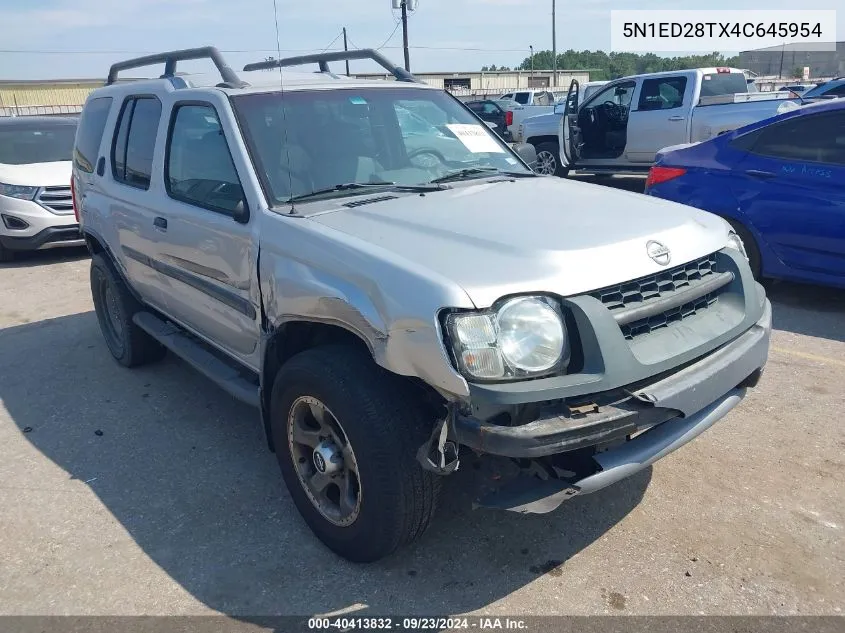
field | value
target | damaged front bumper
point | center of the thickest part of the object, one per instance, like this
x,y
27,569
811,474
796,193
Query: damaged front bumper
x,y
649,422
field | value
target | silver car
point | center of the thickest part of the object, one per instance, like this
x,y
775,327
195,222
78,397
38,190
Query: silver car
x,y
390,305
35,198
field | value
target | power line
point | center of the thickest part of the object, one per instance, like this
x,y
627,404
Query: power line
x,y
258,50
339,35
390,37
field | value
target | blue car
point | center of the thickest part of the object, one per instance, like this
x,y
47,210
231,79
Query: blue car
x,y
780,182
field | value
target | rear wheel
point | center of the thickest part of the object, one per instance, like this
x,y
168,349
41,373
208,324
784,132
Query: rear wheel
x,y
346,434
751,248
548,160
115,306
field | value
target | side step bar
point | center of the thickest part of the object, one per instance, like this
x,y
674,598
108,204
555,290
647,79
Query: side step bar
x,y
226,375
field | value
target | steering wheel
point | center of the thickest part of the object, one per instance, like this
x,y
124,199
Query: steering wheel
x,y
429,154
615,112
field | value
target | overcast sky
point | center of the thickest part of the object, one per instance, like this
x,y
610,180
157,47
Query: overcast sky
x,y
444,34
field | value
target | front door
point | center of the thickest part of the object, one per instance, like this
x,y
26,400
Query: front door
x,y
569,134
790,189
660,119
207,252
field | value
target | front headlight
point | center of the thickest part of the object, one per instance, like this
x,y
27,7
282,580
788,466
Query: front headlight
x,y
735,242
522,338
18,191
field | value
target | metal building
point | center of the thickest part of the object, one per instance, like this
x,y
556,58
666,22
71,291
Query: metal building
x,y
55,96
785,60
493,82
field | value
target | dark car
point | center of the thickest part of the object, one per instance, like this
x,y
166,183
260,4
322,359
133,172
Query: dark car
x,y
779,182
491,112
832,89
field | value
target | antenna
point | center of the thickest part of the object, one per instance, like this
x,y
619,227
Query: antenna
x,y
284,110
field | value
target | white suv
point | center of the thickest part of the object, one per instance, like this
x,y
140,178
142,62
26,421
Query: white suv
x,y
35,198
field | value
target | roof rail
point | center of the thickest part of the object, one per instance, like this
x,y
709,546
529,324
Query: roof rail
x,y
323,60
169,59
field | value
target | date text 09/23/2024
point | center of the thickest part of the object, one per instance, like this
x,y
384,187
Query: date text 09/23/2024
x,y
415,623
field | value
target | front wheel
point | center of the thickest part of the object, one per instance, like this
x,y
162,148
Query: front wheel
x,y
548,160
346,434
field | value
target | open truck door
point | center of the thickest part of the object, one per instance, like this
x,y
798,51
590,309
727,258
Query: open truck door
x,y
569,135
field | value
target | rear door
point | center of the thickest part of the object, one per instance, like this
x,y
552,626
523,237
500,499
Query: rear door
x,y
207,251
660,117
130,193
791,190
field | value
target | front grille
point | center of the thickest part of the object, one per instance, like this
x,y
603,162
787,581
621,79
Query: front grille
x,y
56,199
625,299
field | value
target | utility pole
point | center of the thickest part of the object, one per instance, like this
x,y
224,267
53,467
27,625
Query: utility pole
x,y
554,45
405,34
782,53
346,48
532,62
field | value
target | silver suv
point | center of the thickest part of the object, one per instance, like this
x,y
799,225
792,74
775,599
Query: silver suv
x,y
35,199
392,299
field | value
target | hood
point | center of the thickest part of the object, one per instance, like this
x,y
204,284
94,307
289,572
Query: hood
x,y
37,174
532,235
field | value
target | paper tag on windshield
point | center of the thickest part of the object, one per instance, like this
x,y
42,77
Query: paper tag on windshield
x,y
475,138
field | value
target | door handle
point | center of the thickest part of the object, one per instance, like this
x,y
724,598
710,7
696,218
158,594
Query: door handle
x,y
101,166
759,173
677,118
160,223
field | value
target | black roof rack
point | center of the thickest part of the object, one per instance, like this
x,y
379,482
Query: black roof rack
x,y
169,59
323,60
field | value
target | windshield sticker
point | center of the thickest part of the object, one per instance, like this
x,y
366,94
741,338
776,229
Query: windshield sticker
x,y
475,138
358,100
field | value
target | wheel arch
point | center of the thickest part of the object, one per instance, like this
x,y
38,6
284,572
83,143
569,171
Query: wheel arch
x,y
539,140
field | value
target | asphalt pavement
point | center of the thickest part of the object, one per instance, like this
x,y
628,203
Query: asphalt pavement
x,y
150,491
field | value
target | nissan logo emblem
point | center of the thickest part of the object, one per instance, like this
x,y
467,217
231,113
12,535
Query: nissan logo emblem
x,y
658,252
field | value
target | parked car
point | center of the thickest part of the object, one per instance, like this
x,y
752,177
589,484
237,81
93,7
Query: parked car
x,y
492,112
623,126
780,184
829,90
541,131
798,89
35,203
386,316
530,97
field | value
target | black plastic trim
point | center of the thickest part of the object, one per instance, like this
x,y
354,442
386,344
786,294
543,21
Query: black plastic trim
x,y
45,236
231,299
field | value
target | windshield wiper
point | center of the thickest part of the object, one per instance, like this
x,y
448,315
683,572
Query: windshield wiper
x,y
354,186
474,172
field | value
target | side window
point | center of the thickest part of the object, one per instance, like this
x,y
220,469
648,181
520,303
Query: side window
x,y
521,97
490,108
817,138
92,123
476,107
134,145
665,93
839,91
620,94
198,167
508,96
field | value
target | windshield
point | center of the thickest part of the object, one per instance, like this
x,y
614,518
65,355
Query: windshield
x,y
36,143
308,141
820,90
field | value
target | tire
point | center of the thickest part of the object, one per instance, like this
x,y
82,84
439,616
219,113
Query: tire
x,y
115,307
396,499
549,154
751,248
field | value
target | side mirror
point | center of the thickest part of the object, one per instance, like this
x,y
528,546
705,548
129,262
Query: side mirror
x,y
240,213
526,152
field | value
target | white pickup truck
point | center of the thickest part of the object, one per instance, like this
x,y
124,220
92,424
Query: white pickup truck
x,y
620,129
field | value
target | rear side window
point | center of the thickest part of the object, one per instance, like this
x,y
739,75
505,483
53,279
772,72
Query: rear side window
x,y
665,93
92,123
521,97
817,138
199,168
134,144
